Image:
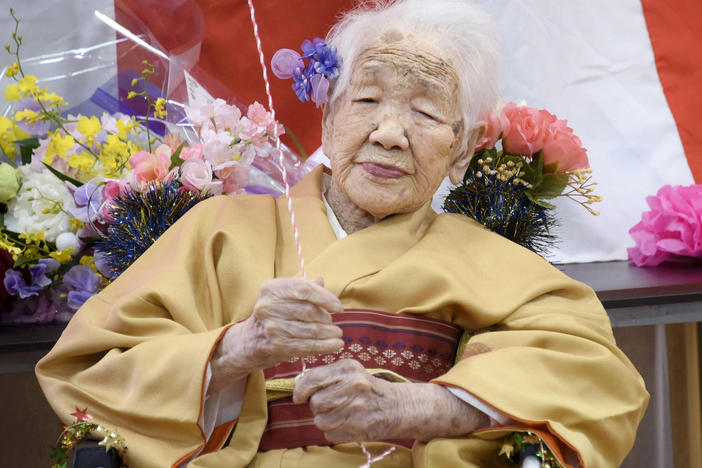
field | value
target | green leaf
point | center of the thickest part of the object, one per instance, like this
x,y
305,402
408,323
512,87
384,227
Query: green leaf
x,y
175,157
63,176
26,147
550,186
22,261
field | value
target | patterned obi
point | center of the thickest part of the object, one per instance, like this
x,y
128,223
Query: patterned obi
x,y
407,348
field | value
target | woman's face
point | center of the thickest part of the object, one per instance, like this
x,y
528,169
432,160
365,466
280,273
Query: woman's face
x,y
397,129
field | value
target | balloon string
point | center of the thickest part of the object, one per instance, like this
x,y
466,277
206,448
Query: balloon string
x,y
281,160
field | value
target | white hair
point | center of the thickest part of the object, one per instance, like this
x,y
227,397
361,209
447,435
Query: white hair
x,y
464,30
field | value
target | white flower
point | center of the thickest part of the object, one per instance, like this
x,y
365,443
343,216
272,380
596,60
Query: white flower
x,y
41,205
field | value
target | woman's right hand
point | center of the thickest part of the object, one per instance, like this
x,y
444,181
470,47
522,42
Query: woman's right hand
x,y
291,318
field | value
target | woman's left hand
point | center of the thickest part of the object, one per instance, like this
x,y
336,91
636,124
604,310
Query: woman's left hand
x,y
349,405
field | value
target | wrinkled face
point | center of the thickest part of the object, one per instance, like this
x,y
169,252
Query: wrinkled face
x,y
397,130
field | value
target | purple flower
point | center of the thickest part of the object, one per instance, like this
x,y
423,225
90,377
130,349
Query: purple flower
x,y
310,48
319,89
83,284
15,284
326,62
88,198
302,84
284,63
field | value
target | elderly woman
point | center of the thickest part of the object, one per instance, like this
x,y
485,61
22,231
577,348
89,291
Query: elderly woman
x,y
178,352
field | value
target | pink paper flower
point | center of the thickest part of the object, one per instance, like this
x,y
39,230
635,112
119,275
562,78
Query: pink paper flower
x,y
524,129
192,152
562,146
198,173
673,226
234,178
148,167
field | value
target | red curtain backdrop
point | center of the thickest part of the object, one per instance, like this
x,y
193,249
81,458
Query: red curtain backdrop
x,y
675,29
228,58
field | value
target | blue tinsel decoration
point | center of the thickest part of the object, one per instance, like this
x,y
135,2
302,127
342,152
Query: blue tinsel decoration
x,y
503,208
139,218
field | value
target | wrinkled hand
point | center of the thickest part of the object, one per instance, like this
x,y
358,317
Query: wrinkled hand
x,y
351,405
291,318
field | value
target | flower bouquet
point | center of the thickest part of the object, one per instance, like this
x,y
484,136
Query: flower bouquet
x,y
82,196
526,158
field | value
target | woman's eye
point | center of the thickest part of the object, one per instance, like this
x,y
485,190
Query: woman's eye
x,y
428,116
366,100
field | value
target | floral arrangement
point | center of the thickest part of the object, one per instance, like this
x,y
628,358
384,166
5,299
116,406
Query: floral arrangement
x,y
526,157
310,81
672,227
73,186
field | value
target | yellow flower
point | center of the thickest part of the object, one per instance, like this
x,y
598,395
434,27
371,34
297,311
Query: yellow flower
x,y
124,127
13,69
75,224
63,256
160,108
7,244
90,261
28,115
82,161
90,127
51,99
58,145
131,94
28,85
32,237
13,92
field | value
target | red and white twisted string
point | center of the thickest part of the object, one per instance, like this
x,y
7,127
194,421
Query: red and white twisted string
x,y
281,160
369,459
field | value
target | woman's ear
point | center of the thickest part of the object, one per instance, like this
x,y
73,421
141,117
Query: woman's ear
x,y
458,169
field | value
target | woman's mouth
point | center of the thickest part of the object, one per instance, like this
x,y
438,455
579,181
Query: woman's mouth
x,y
386,172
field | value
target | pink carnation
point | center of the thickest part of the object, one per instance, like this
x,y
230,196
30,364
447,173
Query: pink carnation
x,y
234,177
148,167
563,147
524,129
672,227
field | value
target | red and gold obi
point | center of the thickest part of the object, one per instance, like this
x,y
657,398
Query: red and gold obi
x,y
397,347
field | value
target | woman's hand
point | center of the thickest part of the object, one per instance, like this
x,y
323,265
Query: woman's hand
x,y
351,405
291,318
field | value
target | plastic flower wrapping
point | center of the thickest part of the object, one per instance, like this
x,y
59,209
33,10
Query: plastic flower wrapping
x,y
526,158
671,229
82,196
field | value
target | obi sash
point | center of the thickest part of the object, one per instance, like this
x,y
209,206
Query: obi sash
x,y
397,347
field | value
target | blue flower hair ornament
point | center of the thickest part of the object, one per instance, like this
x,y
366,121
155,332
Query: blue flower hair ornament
x,y
311,80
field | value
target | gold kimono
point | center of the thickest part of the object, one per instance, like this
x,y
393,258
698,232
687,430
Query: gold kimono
x,y
543,352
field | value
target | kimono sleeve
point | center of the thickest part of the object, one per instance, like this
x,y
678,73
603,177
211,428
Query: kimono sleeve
x,y
136,355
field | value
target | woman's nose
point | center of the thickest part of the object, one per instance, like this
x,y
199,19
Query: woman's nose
x,y
390,133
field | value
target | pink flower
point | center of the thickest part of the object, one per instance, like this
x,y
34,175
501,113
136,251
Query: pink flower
x,y
192,152
673,226
524,129
492,133
149,167
173,141
198,173
563,147
264,120
234,177
111,190
284,62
